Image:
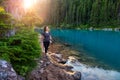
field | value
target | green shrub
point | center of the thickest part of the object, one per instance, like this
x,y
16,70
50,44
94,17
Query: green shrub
x,y
5,56
21,50
4,52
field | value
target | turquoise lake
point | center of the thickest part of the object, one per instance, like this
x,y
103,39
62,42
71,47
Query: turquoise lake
x,y
103,45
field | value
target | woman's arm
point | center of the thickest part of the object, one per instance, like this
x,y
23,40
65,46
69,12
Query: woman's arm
x,y
50,39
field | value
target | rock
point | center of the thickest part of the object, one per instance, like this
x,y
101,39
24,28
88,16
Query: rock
x,y
67,45
54,70
68,68
72,59
58,58
77,75
63,61
20,78
41,61
7,72
41,70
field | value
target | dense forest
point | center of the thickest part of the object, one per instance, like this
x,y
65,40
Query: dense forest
x,y
90,13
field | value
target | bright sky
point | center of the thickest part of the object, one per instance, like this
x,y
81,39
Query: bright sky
x,y
41,5
29,3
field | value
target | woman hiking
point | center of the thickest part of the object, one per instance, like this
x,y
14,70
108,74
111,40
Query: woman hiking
x,y
46,38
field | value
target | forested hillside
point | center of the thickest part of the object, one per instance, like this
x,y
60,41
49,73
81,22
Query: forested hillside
x,y
94,13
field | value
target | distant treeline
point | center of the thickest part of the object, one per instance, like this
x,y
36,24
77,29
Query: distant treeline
x,y
95,13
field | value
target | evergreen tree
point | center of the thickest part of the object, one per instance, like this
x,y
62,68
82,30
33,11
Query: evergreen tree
x,y
97,13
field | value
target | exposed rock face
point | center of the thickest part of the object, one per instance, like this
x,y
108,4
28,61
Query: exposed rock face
x,y
7,72
51,68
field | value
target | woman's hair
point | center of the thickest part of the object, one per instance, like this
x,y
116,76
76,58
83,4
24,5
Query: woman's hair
x,y
45,28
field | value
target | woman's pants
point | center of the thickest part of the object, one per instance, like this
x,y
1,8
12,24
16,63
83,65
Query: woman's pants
x,y
46,45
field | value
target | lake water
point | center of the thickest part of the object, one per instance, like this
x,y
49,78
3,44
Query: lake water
x,y
102,45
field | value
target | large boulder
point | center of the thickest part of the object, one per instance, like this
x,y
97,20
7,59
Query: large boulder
x,y
7,72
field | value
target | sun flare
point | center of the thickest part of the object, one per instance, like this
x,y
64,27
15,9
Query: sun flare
x,y
29,3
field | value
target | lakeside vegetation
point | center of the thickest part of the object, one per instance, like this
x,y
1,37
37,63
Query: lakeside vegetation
x,y
22,48
84,13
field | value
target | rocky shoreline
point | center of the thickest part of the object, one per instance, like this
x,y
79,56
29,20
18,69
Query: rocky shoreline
x,y
52,67
57,65
67,50
49,67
